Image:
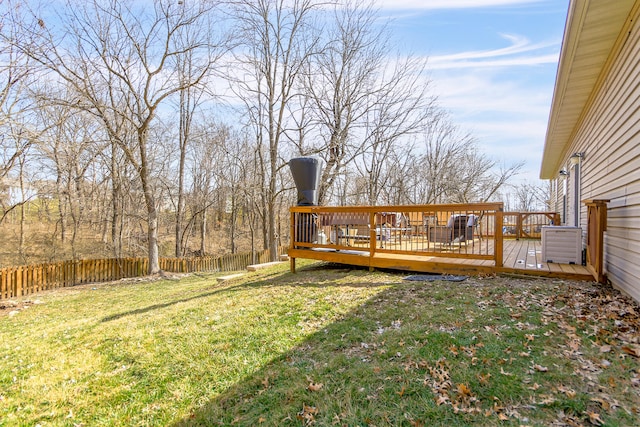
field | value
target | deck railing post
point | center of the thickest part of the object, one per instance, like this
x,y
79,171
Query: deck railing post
x,y
372,237
498,247
596,226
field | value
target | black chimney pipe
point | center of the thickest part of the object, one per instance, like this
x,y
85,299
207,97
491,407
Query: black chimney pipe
x,y
306,173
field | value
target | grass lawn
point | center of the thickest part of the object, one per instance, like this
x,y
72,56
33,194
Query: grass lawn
x,y
328,346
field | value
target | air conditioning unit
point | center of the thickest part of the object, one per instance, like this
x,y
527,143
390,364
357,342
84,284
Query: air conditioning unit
x,y
562,244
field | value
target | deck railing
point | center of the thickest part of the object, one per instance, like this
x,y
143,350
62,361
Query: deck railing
x,y
472,231
527,225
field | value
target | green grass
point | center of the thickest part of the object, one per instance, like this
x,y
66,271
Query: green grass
x,y
326,346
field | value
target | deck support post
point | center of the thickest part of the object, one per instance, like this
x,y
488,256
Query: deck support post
x,y
292,240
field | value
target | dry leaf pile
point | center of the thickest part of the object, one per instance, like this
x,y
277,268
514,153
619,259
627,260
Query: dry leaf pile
x,y
596,328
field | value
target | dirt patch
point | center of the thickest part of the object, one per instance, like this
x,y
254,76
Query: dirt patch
x,y
11,307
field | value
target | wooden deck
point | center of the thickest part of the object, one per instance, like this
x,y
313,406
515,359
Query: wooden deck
x,y
470,239
522,257
525,257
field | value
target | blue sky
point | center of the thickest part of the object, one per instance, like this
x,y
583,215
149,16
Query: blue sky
x,y
493,65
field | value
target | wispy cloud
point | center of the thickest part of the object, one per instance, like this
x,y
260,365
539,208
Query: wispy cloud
x,y
507,117
436,64
449,4
500,89
519,44
520,52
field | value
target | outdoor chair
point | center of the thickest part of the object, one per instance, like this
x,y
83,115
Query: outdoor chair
x,y
459,228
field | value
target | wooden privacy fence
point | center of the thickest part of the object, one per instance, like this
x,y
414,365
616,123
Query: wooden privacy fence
x,y
29,279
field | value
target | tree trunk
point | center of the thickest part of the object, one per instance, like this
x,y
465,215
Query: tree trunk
x,y
182,136
203,233
116,197
154,257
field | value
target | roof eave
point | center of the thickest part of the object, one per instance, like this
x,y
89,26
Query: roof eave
x,y
575,84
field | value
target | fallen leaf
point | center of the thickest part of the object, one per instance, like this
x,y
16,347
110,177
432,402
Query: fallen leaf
x,y
632,349
464,390
594,418
547,400
442,399
503,417
605,404
502,371
540,368
307,414
605,349
401,392
570,393
484,378
315,386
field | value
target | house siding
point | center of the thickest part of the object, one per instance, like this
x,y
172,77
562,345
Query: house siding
x,y
609,135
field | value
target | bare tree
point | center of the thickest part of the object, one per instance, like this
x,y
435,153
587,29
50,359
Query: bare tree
x,y
401,108
479,180
276,43
191,97
341,84
205,158
16,73
121,60
431,175
448,167
531,197
71,144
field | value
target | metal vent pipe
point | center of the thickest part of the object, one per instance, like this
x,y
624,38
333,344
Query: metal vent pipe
x,y
306,172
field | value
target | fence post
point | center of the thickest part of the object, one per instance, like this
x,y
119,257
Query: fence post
x,y
18,282
3,283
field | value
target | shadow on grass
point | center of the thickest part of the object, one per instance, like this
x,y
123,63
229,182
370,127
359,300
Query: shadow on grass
x,y
347,373
163,305
286,278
